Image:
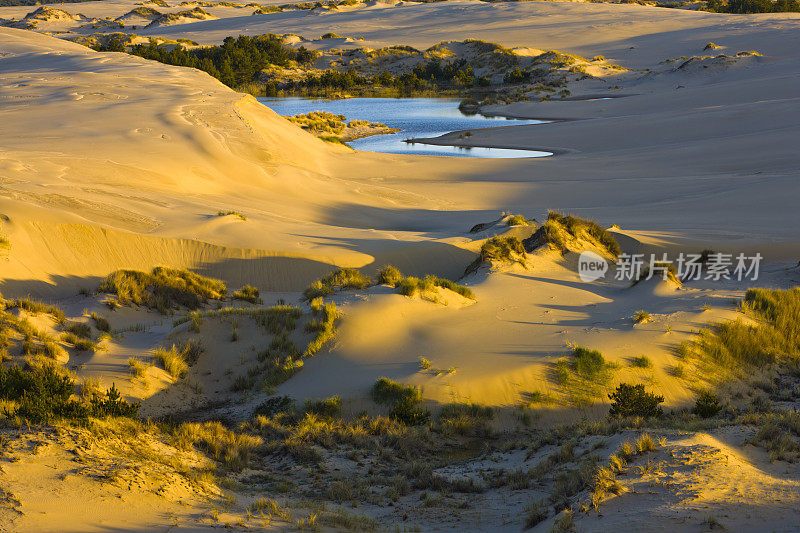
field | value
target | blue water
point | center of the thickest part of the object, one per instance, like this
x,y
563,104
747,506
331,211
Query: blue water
x,y
415,117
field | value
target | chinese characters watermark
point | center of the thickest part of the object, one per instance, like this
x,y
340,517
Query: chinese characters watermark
x,y
686,267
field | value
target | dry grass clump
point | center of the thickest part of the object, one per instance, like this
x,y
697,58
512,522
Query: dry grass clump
x,y
642,317
517,220
100,322
231,448
138,368
410,285
465,419
174,359
327,408
605,481
323,324
584,375
389,275
320,122
80,343
5,244
502,249
641,361
248,293
344,278
236,214
559,230
737,345
162,289
663,270
39,308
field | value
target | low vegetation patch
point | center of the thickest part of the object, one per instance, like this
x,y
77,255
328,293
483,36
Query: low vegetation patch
x,y
43,393
633,400
248,293
561,231
403,399
342,279
409,286
499,249
236,214
163,289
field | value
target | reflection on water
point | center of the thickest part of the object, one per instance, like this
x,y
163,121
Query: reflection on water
x,y
415,117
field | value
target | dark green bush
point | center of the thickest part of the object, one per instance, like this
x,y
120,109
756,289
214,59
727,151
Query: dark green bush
x,y
633,400
275,406
707,404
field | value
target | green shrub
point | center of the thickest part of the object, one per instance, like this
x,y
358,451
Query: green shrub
x,y
344,278
327,408
43,393
389,275
707,404
248,293
163,289
633,400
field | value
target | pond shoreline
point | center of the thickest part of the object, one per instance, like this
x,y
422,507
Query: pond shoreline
x,y
427,126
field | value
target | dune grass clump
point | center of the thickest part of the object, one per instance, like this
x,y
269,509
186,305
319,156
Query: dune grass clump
x,y
5,244
163,289
80,329
738,345
409,286
404,400
327,408
559,230
80,343
389,275
100,322
501,249
323,324
517,220
236,214
641,361
39,308
247,293
663,270
642,317
137,368
584,374
344,278
604,482
465,419
231,448
173,360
